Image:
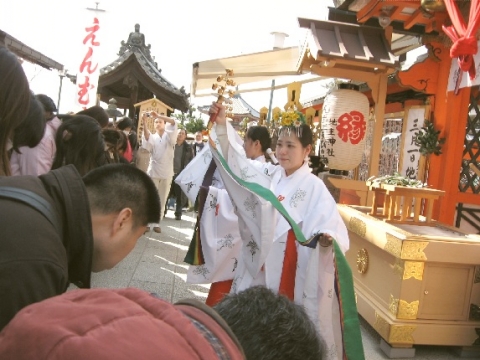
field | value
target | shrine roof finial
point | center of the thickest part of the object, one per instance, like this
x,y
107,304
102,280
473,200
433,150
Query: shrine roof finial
x,y
136,42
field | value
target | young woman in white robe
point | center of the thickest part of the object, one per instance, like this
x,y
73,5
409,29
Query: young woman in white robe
x,y
219,232
270,255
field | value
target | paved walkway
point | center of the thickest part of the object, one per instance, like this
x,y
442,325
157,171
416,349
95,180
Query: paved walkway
x,y
156,265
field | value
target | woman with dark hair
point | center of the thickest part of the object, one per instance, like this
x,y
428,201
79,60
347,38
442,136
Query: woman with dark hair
x,y
15,98
31,131
123,148
116,144
257,143
79,142
216,226
38,160
98,113
278,208
125,125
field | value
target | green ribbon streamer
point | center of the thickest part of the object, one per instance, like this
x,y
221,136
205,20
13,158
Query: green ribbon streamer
x,y
352,338
266,194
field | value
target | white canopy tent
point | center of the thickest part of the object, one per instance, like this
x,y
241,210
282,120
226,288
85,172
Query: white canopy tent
x,y
331,50
253,72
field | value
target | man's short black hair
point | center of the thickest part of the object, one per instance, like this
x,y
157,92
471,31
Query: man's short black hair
x,y
270,326
114,187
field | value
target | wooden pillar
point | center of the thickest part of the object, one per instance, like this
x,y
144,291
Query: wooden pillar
x,y
379,95
378,85
450,116
133,101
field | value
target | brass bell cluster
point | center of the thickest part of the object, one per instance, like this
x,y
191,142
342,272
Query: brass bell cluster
x,y
225,89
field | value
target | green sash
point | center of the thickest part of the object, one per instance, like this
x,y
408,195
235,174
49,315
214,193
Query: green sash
x,y
352,339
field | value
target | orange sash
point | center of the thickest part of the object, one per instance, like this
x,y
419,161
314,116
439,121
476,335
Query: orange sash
x,y
287,281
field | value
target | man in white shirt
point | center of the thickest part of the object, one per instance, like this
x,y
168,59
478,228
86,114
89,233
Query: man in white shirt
x,y
161,146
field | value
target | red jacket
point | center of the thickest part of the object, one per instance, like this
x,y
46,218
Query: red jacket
x,y
117,324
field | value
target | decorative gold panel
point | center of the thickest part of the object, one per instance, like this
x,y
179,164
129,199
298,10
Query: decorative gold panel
x,y
398,267
413,269
357,226
407,310
393,306
414,250
401,334
381,326
477,275
393,245
362,261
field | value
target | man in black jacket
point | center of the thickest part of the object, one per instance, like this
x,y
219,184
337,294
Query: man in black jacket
x,y
182,156
59,227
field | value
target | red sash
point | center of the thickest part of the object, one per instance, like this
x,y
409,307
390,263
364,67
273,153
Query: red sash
x,y
287,281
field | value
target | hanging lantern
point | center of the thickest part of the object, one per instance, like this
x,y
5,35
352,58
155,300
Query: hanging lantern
x,y
344,125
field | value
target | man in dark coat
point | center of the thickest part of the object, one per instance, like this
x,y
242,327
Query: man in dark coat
x,y
182,156
59,227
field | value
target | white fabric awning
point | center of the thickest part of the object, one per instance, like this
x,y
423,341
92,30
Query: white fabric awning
x,y
247,68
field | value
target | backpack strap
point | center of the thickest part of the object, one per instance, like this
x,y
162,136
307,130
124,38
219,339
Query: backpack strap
x,y
33,200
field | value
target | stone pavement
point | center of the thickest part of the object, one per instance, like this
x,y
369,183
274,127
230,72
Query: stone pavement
x,y
156,265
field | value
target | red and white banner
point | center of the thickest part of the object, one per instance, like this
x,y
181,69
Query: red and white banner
x,y
88,70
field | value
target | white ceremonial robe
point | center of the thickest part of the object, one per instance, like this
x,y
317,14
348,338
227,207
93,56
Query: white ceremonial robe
x,y
264,235
191,177
220,236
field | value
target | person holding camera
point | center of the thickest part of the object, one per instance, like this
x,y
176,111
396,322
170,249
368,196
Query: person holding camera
x,y
161,145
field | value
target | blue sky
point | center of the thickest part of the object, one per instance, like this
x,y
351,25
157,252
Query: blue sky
x,y
180,32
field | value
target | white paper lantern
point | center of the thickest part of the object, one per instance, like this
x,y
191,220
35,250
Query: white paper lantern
x,y
344,126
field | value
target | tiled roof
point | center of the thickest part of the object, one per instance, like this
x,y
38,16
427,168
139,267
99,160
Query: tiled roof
x,y
240,107
338,45
148,66
27,53
363,87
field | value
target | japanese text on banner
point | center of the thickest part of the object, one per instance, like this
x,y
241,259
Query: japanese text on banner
x,y
410,152
88,70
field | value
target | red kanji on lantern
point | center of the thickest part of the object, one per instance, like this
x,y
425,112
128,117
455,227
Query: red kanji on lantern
x,y
352,126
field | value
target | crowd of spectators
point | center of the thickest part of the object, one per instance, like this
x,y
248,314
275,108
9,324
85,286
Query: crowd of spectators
x,y
73,202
